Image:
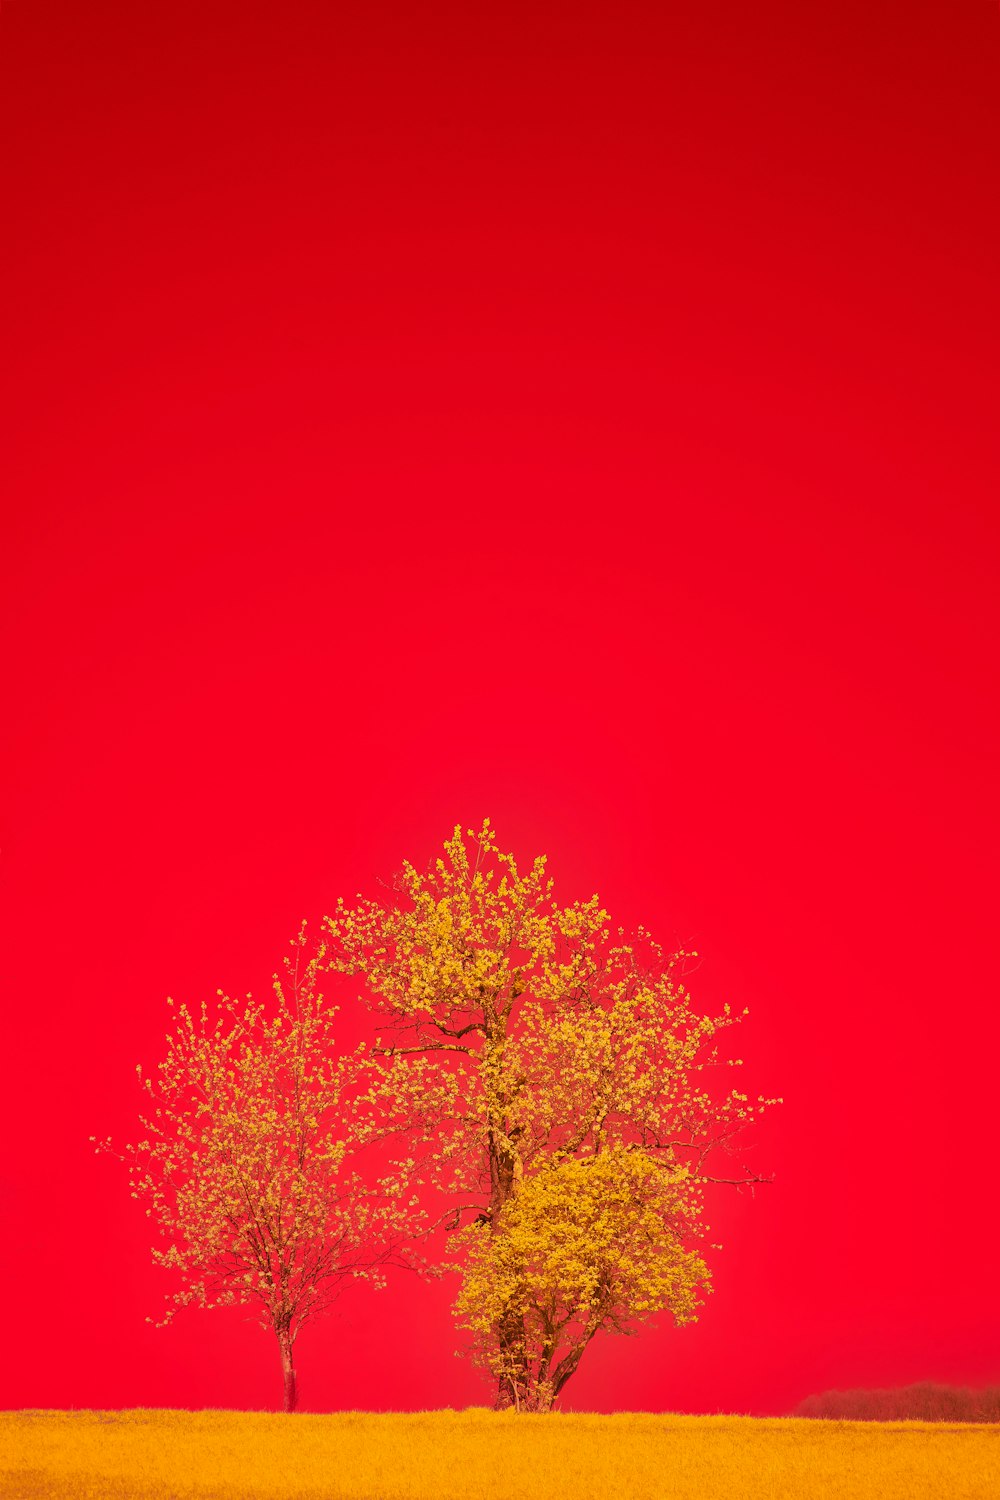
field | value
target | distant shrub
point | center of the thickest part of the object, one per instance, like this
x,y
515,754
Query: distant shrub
x,y
925,1402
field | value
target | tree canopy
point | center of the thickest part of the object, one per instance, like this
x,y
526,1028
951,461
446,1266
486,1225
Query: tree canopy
x,y
541,1088
559,1091
248,1163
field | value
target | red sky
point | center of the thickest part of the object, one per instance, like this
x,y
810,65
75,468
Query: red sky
x,y
583,415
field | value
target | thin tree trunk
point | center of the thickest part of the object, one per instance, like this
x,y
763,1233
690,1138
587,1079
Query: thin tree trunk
x,y
287,1370
542,1396
567,1367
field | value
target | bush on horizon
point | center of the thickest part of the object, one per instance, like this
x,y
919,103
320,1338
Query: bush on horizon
x,y
925,1401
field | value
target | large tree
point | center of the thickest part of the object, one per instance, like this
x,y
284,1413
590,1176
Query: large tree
x,y
248,1162
557,1088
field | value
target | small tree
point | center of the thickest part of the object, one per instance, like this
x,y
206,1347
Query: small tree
x,y
586,1245
248,1162
557,1084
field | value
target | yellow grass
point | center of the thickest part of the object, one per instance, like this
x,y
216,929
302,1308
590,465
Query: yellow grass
x,y
477,1455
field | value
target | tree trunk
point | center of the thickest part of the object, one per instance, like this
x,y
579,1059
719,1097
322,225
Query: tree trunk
x,y
541,1398
287,1369
567,1367
513,1383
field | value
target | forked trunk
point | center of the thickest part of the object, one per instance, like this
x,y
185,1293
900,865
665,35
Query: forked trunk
x,y
531,1388
287,1370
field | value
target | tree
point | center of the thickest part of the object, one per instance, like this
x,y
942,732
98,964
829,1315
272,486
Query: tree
x,y
249,1161
584,1245
556,1084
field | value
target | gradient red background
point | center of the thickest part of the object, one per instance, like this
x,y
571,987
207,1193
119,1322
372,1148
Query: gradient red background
x,y
581,415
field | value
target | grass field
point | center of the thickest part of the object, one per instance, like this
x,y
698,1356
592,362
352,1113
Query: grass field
x,y
443,1455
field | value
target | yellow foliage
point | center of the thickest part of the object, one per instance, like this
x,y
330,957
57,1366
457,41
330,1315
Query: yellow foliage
x,y
585,1244
247,1165
545,1072
475,1455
